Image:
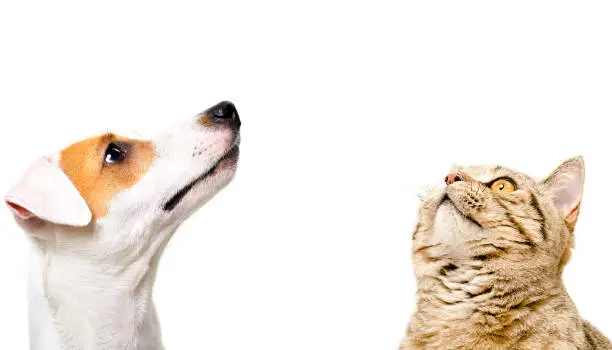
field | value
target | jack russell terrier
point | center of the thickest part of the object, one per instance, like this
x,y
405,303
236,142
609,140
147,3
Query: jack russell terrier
x,y
100,213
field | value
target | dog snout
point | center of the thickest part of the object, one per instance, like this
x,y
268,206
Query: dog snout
x,y
223,113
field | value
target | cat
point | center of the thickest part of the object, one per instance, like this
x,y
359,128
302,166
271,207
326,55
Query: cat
x,y
489,250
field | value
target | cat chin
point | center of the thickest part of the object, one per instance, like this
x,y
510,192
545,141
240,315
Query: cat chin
x,y
452,228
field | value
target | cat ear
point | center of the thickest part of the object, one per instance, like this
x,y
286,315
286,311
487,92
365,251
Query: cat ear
x,y
565,185
47,193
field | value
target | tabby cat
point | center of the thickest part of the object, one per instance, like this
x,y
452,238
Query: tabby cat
x,y
489,250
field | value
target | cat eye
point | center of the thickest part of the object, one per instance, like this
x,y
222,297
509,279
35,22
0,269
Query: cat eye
x,y
114,154
502,185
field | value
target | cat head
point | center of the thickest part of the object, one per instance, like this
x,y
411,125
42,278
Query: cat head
x,y
495,216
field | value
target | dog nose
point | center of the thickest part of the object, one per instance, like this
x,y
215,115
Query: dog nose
x,y
225,112
452,178
222,113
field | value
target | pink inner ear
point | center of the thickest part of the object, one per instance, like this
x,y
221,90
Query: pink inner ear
x,y
21,211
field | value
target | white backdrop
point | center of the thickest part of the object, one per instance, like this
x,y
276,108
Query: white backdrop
x,y
348,109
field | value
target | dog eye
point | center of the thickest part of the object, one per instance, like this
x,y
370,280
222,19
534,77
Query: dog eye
x,y
503,185
114,154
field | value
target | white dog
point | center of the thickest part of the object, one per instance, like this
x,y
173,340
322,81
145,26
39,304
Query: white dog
x,y
100,213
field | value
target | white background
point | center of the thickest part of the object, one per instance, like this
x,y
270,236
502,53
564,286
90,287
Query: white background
x,y
348,109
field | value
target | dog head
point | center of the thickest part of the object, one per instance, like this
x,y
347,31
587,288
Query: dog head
x,y
122,183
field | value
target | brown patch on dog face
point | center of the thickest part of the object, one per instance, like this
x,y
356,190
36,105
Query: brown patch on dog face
x,y
98,181
205,120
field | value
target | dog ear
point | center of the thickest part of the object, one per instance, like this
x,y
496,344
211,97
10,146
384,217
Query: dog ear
x,y
47,193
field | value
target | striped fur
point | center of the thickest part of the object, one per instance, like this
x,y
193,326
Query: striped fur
x,y
489,265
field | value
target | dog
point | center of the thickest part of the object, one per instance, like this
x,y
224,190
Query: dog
x,y
99,214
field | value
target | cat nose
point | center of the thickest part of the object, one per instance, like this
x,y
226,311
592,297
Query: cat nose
x,y
452,178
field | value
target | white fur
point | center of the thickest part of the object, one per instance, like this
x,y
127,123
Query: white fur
x,y
91,287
